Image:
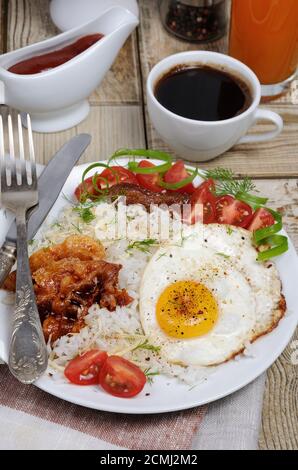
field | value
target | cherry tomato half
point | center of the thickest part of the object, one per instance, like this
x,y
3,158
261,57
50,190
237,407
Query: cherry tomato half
x,y
261,219
233,212
149,181
208,184
121,378
203,195
84,370
86,189
116,175
178,173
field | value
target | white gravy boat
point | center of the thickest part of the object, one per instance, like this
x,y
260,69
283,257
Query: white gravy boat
x,y
68,14
57,99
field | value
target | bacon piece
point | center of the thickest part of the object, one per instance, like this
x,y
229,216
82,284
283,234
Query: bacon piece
x,y
78,246
67,288
54,327
68,278
137,195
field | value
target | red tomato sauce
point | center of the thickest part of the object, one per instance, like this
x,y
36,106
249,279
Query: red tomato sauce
x,y
41,63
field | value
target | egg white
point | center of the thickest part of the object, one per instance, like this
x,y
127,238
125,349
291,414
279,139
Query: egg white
x,y
246,291
262,277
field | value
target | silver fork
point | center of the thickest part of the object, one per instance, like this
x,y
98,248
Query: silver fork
x,y
19,193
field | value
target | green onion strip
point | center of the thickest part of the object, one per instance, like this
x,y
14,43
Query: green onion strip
x,y
251,199
268,236
152,154
181,183
263,233
279,244
95,179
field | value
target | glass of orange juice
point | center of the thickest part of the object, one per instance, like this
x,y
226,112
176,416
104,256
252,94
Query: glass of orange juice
x,y
264,35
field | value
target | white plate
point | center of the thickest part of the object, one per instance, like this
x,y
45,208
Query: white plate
x,y
68,14
166,394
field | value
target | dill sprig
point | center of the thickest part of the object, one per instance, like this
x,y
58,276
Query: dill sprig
x,y
223,255
227,184
183,239
150,374
161,256
77,228
57,224
68,199
143,245
85,213
147,346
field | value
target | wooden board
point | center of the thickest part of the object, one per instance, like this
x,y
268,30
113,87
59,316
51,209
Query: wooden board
x,y
3,34
277,158
111,127
280,410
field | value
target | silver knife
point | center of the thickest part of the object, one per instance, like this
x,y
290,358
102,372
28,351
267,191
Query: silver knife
x,y
50,184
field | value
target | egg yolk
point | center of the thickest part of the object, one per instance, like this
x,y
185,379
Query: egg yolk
x,y
186,309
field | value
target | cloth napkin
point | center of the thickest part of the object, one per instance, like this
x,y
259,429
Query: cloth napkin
x,y
32,419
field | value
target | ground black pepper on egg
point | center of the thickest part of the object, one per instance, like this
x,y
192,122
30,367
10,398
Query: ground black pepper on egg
x,y
196,23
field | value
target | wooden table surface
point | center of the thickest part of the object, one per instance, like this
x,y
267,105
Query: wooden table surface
x,y
118,118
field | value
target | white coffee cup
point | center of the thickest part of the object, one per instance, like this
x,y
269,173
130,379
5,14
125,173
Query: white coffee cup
x,y
203,140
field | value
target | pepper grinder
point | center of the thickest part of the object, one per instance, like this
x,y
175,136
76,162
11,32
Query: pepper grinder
x,y
195,20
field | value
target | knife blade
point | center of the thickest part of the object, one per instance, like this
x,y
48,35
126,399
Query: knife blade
x,y
50,184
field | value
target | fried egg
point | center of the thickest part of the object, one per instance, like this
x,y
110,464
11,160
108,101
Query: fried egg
x,y
203,300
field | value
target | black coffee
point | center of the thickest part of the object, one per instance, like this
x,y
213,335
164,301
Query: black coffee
x,y
203,93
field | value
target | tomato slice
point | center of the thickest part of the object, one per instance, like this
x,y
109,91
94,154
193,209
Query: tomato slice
x,y
116,175
206,185
261,219
84,370
203,195
178,173
149,181
121,378
233,212
86,188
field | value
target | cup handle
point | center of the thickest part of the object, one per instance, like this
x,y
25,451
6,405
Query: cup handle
x,y
267,115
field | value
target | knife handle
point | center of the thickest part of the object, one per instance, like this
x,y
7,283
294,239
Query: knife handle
x,y
8,255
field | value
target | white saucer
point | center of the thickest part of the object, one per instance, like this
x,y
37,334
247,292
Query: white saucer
x,y
68,14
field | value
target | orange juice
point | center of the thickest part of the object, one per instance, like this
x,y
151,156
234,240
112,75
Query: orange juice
x,y
264,35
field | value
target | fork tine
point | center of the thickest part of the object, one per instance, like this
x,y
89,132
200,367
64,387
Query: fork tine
x,y
13,169
2,151
23,170
21,139
10,137
2,155
31,152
